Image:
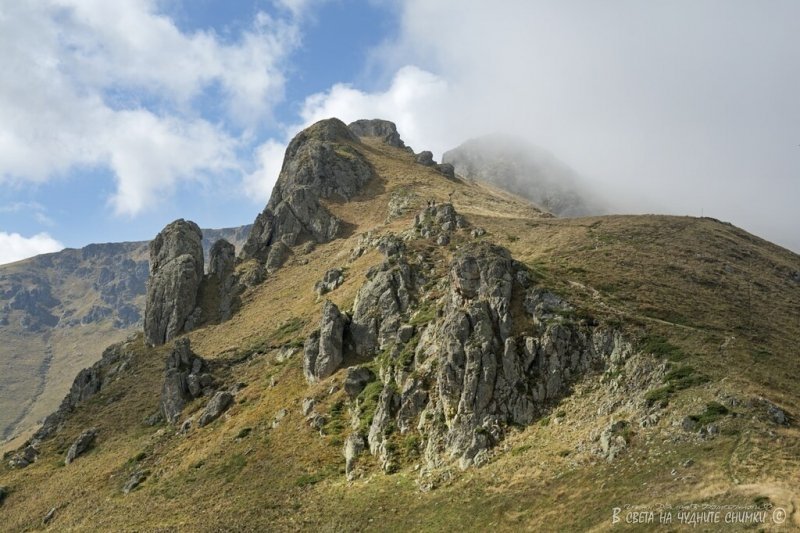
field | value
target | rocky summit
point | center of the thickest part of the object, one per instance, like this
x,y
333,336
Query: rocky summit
x,y
320,163
402,345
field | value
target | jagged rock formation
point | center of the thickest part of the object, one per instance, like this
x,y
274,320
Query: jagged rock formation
x,y
81,445
320,163
356,378
425,158
380,304
136,479
176,271
447,169
383,129
353,447
323,349
484,375
438,221
34,298
526,170
475,365
332,279
47,328
186,377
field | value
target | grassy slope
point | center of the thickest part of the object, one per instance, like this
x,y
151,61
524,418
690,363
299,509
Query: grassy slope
x,y
658,275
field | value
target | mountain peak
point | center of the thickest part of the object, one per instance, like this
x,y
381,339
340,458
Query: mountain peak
x,y
321,162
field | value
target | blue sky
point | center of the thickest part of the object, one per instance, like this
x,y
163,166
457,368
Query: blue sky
x,y
71,203
118,117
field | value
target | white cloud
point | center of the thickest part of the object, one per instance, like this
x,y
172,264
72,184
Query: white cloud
x,y
269,159
671,107
14,247
412,101
90,83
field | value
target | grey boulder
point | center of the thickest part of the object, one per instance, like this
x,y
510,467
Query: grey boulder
x,y
382,129
323,351
218,404
81,445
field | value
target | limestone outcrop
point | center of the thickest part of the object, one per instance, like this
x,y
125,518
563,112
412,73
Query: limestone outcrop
x,y
89,381
321,162
176,272
218,404
81,445
459,361
323,351
186,377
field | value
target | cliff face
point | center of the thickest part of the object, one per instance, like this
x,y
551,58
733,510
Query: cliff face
x,y
449,357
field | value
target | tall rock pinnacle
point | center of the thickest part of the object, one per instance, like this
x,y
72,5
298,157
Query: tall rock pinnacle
x,y
176,271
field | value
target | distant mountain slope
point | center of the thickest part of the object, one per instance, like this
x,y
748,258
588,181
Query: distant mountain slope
x,y
58,311
526,170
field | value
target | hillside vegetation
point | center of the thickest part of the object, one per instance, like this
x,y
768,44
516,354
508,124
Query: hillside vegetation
x,y
711,313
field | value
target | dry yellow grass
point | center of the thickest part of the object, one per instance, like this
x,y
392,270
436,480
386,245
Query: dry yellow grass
x,y
696,282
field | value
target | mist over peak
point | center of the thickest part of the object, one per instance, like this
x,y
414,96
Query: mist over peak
x,y
515,164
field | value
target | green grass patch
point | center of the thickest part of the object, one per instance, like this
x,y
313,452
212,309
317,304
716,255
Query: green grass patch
x,y
685,377
288,329
519,450
661,347
426,313
141,456
309,479
230,468
410,446
680,378
406,357
659,396
244,432
714,411
336,424
368,400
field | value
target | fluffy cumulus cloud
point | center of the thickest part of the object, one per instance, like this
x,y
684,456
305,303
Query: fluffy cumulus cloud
x,y
681,107
96,84
412,100
14,246
268,161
